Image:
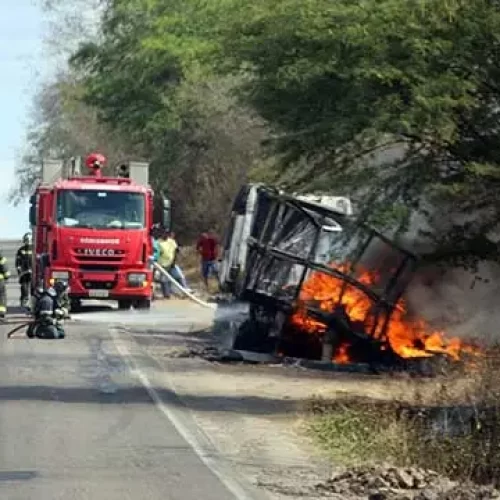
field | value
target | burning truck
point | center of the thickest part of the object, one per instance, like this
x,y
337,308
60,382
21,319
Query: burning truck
x,y
321,285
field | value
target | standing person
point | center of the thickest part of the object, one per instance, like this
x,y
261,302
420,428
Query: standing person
x,y
156,248
24,268
156,255
4,276
168,249
175,270
207,247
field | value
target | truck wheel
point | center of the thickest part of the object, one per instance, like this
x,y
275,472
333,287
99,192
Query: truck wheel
x,y
124,304
253,336
142,304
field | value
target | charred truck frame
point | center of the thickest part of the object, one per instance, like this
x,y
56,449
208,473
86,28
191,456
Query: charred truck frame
x,y
292,242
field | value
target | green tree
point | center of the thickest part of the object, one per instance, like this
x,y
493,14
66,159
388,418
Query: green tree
x,y
63,126
145,80
341,81
391,101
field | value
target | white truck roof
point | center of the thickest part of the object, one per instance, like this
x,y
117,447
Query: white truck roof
x,y
340,204
53,170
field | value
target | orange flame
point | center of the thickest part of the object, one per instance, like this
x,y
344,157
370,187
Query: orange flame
x,y
407,338
342,355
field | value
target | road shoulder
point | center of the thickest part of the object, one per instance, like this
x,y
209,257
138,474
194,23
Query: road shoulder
x,y
252,420
169,401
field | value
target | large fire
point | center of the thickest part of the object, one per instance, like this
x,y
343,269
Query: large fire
x,y
407,338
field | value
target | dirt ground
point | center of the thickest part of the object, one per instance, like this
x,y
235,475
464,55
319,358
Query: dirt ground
x,y
253,414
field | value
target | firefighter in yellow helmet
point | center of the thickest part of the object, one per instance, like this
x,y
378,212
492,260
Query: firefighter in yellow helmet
x,y
4,276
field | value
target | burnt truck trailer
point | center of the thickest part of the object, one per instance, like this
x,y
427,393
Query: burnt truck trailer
x,y
246,214
315,279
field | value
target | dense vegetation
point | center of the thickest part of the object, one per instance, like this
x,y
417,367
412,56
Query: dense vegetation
x,y
386,100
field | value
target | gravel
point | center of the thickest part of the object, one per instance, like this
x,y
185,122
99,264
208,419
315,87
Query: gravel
x,y
396,483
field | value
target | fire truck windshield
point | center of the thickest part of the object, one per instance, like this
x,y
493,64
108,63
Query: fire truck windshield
x,y
100,209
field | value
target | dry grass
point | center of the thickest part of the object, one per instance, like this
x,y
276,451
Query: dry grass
x,y
355,431
456,434
189,261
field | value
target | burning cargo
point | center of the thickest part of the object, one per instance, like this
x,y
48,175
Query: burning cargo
x,y
322,286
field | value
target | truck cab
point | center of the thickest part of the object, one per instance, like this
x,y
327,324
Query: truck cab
x,y
247,217
94,232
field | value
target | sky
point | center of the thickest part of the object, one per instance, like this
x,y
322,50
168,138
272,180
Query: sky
x,y
21,61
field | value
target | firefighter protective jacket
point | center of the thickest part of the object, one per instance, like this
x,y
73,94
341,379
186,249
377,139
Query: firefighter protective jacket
x,y
4,270
24,259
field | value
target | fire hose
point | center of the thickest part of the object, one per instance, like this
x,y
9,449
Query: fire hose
x,y
159,268
182,289
33,323
17,328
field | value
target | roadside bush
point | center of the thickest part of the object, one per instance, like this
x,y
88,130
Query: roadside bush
x,y
455,434
189,261
354,431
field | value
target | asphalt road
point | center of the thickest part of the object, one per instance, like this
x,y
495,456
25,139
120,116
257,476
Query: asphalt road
x,y
77,422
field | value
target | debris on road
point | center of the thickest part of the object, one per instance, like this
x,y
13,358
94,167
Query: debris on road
x,y
396,483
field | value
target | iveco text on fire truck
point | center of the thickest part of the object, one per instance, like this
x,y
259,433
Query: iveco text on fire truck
x,y
94,231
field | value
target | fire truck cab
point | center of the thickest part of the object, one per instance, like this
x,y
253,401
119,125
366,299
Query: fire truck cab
x,y
94,231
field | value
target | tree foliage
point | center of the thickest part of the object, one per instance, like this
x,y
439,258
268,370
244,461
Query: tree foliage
x,y
199,139
62,126
341,79
390,101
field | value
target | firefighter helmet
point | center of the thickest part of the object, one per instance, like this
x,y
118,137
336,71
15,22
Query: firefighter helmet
x,y
60,287
27,239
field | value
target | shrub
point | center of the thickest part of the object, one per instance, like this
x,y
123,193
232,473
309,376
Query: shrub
x,y
456,433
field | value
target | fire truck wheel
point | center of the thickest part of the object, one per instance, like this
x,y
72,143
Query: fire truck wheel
x,y
142,304
124,304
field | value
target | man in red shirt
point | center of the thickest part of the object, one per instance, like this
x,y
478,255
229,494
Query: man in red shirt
x,y
207,247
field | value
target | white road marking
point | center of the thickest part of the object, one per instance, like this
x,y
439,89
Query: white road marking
x,y
205,456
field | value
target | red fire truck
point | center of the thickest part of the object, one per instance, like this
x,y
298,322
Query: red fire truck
x,y
94,231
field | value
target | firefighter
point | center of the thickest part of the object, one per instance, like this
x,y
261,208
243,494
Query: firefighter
x,y
48,313
4,276
64,304
24,269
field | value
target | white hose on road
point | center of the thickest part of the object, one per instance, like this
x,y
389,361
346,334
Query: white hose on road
x,y
183,290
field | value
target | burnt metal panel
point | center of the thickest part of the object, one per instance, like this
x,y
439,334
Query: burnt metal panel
x,y
284,252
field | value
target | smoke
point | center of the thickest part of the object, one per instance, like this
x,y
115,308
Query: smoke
x,y
227,322
460,302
